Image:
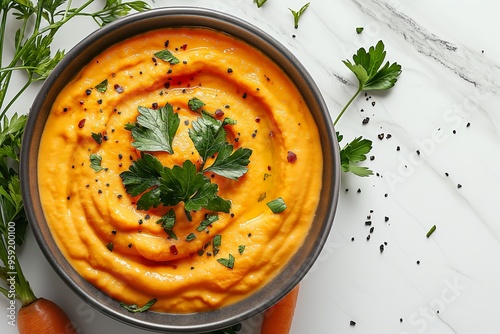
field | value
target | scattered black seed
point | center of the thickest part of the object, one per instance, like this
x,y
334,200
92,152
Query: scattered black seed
x,y
418,261
468,124
400,319
359,190
366,120
386,219
68,198
229,70
88,92
368,237
372,229
147,216
99,101
119,196
113,232
140,221
382,248
459,186
418,152
129,245
352,323
368,223
454,131
373,103
352,239
381,136
386,195
99,191
398,148
447,174
388,136
372,157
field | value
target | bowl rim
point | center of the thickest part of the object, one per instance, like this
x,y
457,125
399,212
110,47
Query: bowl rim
x,y
114,32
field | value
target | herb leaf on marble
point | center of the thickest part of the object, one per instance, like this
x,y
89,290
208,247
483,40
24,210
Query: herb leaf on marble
x,y
371,75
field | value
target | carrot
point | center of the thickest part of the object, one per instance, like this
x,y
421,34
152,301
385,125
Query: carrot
x,y
278,318
43,317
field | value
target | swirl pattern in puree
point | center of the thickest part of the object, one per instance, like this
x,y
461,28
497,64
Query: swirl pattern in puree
x,y
88,210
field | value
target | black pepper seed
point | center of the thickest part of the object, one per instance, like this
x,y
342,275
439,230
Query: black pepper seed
x,y
418,261
372,229
388,136
381,136
398,148
365,120
459,186
352,323
368,223
372,157
88,92
386,219
373,103
418,152
359,190
229,70
368,237
381,248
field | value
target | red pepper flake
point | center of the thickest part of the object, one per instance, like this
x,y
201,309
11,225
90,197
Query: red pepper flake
x,y
184,46
173,250
291,157
81,123
119,89
269,168
219,113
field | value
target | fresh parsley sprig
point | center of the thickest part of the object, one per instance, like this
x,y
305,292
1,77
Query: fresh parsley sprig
x,y
161,185
39,22
366,66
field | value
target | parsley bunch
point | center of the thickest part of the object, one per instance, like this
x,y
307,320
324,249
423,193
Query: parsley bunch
x,y
366,66
161,185
39,22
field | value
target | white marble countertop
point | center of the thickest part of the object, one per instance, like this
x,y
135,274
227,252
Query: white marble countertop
x,y
446,105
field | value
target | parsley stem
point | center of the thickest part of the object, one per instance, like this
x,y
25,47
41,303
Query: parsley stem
x,y
348,104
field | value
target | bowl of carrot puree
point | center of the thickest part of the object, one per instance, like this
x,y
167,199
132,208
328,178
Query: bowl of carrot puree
x,y
180,170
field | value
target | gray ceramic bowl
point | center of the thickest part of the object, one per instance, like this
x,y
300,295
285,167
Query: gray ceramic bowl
x,y
120,30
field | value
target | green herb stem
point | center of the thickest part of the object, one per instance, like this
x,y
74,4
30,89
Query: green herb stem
x,y
348,104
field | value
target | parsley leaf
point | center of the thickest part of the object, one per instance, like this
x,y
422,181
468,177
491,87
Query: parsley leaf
x,y
229,164
260,3
97,137
298,14
102,86
95,162
353,153
208,136
135,309
155,129
195,104
167,56
277,205
229,262
142,174
167,222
